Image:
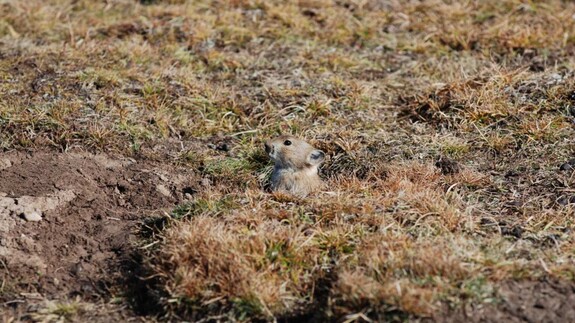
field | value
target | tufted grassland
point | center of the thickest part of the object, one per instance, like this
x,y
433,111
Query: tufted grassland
x,y
448,127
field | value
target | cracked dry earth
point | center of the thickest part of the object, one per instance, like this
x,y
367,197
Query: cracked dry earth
x,y
67,223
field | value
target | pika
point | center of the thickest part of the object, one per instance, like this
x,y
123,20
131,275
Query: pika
x,y
296,165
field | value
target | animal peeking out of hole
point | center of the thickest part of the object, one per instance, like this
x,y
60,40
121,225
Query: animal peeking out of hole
x,y
296,166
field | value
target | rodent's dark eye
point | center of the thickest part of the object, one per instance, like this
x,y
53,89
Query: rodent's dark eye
x,y
287,142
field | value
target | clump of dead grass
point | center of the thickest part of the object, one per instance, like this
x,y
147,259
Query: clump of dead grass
x,y
264,270
270,253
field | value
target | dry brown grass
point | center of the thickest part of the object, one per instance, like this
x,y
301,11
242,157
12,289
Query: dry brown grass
x,y
444,123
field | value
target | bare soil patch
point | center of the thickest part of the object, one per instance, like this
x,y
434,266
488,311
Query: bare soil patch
x,y
82,243
528,301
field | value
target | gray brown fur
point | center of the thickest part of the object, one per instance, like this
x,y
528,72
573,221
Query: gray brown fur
x,y
296,166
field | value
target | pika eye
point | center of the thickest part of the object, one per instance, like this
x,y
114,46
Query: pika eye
x,y
287,142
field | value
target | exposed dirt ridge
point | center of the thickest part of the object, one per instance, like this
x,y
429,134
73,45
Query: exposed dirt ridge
x,y
90,205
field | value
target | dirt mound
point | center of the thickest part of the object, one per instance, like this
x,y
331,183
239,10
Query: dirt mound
x,y
527,301
86,208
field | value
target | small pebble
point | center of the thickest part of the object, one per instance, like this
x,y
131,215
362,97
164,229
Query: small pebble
x,y
163,190
32,216
5,163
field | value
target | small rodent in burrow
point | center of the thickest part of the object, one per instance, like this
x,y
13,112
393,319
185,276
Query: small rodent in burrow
x,y
296,165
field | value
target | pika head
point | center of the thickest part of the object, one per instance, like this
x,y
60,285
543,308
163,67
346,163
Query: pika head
x,y
296,165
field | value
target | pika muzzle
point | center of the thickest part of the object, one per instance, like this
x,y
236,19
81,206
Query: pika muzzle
x,y
269,148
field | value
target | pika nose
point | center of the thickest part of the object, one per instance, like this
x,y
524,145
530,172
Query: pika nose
x,y
268,147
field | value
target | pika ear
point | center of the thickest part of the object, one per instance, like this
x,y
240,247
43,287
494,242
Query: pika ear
x,y
316,157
